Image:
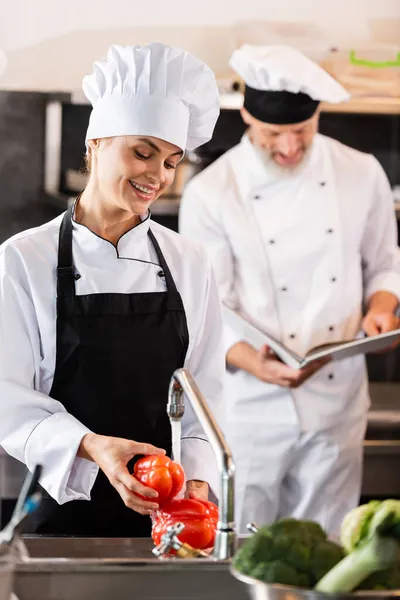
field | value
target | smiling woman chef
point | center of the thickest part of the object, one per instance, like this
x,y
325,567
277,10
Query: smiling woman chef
x,y
100,306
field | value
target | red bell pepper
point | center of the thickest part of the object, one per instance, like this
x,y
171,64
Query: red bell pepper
x,y
161,474
200,518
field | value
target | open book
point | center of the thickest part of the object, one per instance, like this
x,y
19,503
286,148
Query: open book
x,y
255,334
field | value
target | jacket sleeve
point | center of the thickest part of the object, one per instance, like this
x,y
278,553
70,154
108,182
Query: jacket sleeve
x,y
34,428
380,252
200,221
206,363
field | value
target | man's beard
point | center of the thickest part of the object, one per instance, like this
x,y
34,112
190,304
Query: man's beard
x,y
273,167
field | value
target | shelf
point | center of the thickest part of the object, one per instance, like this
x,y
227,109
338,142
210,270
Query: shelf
x,y
388,106
234,101
383,106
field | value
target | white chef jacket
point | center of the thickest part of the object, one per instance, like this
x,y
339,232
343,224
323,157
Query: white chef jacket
x,y
35,428
299,253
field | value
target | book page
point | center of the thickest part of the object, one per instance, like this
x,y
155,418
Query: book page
x,y
330,346
351,348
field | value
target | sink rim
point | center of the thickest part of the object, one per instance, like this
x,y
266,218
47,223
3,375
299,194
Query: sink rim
x,y
117,564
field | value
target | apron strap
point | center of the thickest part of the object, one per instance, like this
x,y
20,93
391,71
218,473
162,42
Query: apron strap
x,y
65,269
171,287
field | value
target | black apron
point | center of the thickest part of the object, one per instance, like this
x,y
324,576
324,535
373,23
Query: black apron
x,y
115,356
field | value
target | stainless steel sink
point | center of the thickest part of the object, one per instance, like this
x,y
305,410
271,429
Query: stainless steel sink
x,y
78,548
118,569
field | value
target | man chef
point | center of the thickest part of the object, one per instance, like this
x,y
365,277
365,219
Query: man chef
x,y
302,236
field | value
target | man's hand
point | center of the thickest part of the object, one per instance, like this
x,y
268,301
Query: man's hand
x,y
379,322
270,370
264,365
380,317
198,490
112,456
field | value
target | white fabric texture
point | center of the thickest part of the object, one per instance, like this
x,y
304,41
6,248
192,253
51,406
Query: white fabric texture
x,y
285,472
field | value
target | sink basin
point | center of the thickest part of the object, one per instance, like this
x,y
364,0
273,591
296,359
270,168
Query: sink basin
x,y
81,548
118,569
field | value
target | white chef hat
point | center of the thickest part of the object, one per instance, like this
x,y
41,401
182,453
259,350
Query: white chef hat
x,y
283,85
153,90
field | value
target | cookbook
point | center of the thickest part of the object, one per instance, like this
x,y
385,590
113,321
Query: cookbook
x,y
255,334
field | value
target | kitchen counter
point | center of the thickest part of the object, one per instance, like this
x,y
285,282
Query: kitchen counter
x,y
118,569
64,568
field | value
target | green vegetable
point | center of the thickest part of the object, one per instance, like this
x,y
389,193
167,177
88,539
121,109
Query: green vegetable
x,y
289,552
371,536
383,580
355,525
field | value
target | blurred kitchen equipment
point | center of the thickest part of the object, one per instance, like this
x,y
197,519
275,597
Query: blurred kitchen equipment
x,y
28,501
6,576
368,70
252,527
11,546
12,474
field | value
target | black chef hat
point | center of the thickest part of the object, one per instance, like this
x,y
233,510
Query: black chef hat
x,y
279,108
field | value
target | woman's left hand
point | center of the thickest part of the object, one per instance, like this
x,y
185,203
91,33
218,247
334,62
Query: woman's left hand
x,y
198,490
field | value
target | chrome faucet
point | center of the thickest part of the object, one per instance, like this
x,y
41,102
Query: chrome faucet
x,y
183,382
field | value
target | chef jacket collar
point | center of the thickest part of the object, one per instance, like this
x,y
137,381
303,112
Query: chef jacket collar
x,y
126,245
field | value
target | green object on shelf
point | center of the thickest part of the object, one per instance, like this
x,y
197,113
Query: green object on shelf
x,y
374,65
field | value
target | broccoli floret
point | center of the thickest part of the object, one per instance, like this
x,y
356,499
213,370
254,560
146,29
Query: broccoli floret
x,y
371,536
279,572
326,555
255,551
290,552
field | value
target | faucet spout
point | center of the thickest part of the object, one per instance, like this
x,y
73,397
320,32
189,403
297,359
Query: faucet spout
x,y
183,382
176,403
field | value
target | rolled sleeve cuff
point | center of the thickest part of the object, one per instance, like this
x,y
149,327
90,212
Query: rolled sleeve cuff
x,y
54,444
232,336
199,462
384,282
237,330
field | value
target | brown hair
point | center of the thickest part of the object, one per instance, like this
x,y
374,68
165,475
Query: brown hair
x,y
88,162
88,156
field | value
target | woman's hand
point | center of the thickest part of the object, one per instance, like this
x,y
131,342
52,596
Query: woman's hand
x,y
112,455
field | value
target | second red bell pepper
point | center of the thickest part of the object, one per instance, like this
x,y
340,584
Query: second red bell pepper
x,y
200,518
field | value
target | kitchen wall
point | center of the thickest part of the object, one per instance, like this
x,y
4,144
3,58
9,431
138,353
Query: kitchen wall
x,y
22,149
52,44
